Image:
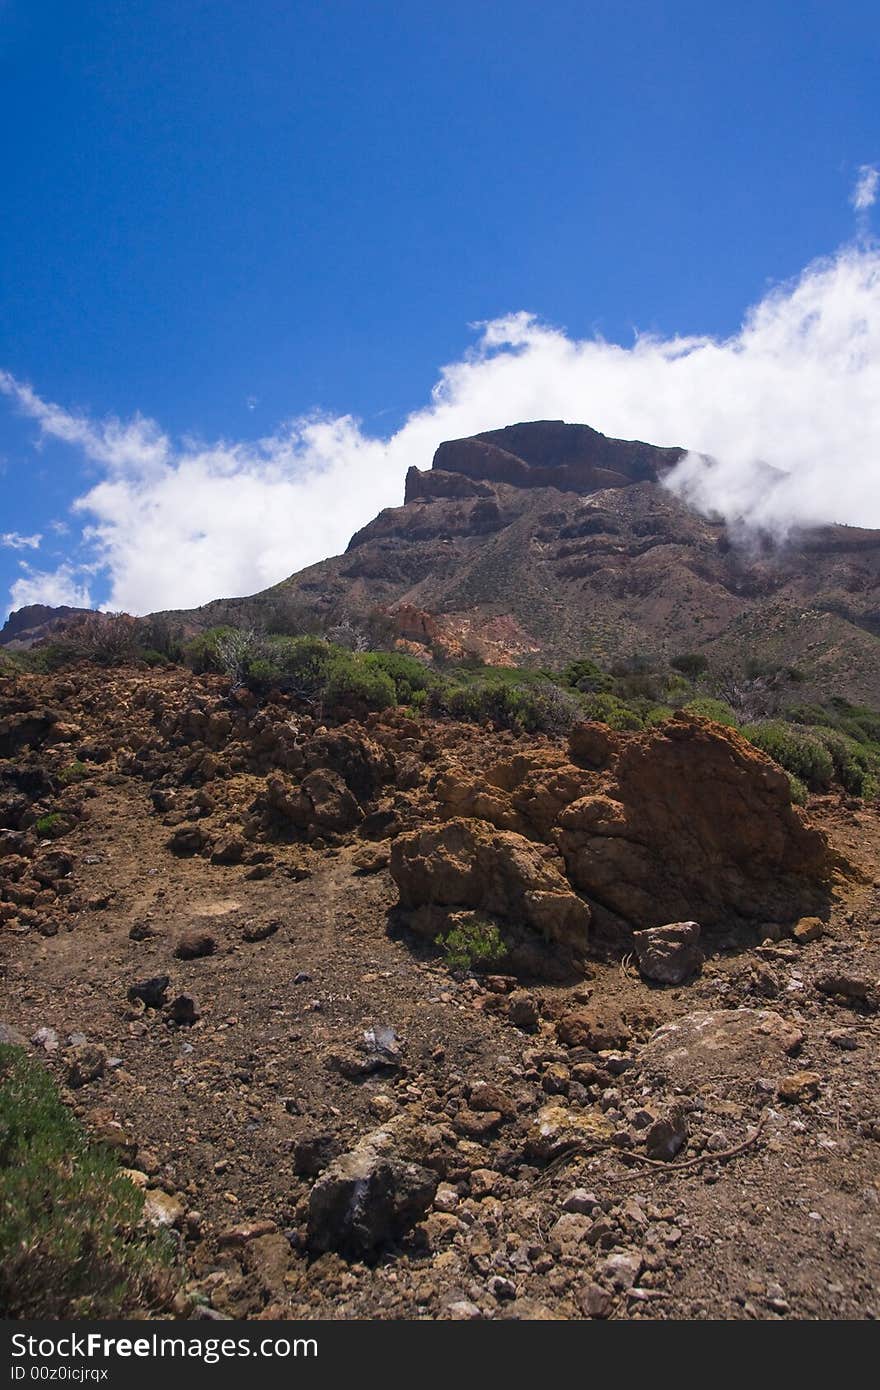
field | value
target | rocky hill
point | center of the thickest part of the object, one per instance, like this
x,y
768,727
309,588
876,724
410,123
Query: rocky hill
x,y
37,622
548,541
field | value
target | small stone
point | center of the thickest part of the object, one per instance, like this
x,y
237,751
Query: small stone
x,y
596,1302
182,1012
142,931
476,1124
599,1027
313,1152
486,1097
462,1310
195,942
187,840
666,1136
46,1038
523,1012
623,1269
808,929
249,1230
501,1288
260,931
367,1197
670,954
580,1201
800,1088
483,1182
570,1229
87,1063
151,992
162,1209
556,1079
446,1197
844,986
383,1107
229,851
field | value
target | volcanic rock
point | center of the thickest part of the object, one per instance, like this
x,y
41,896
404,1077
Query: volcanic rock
x,y
669,954
468,864
368,1197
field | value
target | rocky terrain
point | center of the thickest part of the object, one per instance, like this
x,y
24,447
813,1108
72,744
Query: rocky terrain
x,y
546,541
226,929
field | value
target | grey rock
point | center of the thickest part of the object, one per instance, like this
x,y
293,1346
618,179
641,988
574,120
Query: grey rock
x,y
368,1197
670,954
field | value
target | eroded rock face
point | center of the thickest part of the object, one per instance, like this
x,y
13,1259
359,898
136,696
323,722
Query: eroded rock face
x,y
687,821
690,821
468,864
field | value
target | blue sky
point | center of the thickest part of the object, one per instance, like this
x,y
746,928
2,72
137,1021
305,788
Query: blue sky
x,y
240,242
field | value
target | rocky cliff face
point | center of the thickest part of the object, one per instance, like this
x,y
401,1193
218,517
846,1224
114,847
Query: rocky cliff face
x,y
32,624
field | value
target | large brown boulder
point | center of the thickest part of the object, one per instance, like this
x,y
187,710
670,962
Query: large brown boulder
x,y
691,822
685,822
468,864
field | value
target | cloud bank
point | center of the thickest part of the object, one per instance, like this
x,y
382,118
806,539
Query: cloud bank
x,y
174,523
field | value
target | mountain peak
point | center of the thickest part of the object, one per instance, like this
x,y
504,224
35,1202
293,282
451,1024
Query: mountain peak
x,y
541,453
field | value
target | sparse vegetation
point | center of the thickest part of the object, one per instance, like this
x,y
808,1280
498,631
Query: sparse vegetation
x,y
474,943
819,745
51,825
71,1240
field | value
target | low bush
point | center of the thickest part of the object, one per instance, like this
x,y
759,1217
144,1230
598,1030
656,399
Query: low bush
x,y
71,1245
797,750
51,825
473,944
537,707
611,710
717,710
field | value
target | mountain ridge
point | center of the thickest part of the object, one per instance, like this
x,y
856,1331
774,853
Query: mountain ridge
x,y
545,541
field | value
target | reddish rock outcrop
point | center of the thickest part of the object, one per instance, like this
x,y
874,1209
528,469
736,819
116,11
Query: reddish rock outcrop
x,y
468,864
687,821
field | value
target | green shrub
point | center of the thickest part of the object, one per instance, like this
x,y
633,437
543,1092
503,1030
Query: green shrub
x,y
854,767
657,714
351,682
410,677
473,944
74,772
51,825
201,652
611,710
537,707
717,710
796,749
798,790
70,1242
586,676
690,664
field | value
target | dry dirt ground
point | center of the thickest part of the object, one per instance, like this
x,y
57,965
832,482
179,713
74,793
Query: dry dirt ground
x,y
230,1117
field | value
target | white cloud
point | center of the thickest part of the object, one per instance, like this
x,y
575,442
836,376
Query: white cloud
x,y
866,189
14,540
798,387
57,588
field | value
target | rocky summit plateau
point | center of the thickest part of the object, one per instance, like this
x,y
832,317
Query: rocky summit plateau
x,y
515,957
